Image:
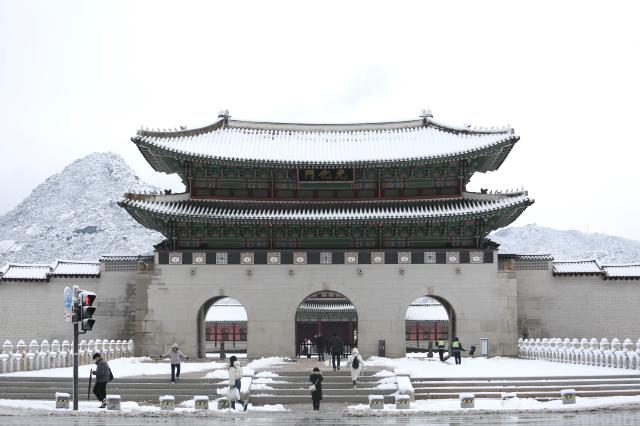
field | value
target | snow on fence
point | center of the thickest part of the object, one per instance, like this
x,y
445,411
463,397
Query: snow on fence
x,y
55,354
587,352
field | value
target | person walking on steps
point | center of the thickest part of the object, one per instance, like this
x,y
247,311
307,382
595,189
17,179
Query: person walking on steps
x,y
456,347
355,363
316,388
320,347
336,347
235,376
440,344
177,356
103,376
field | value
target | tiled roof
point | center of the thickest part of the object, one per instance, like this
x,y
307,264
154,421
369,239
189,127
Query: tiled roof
x,y
470,204
226,312
583,267
18,272
621,271
125,258
327,307
71,268
331,144
426,312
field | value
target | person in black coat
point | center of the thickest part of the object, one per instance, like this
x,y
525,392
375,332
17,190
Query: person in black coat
x,y
316,395
336,347
320,347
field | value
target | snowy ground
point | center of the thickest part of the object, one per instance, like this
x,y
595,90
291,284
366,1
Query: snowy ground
x,y
129,408
490,367
144,366
514,405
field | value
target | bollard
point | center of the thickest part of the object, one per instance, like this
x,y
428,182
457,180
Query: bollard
x,y
62,400
467,400
376,402
201,402
402,402
4,358
568,396
167,402
30,363
16,360
113,402
223,403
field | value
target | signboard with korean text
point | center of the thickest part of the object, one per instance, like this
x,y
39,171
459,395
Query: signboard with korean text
x,y
325,175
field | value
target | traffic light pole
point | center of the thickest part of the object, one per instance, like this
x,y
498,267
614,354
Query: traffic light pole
x,y
75,365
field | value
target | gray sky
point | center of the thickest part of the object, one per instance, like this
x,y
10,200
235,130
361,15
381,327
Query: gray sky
x,y
79,76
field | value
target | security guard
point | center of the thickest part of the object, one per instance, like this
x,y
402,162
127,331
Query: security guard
x,y
456,347
440,345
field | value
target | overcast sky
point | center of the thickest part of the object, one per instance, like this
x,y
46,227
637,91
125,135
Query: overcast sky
x,y
82,76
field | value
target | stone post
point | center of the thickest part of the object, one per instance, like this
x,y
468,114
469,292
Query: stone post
x,y
21,348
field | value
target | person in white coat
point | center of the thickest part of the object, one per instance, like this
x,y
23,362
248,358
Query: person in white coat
x,y
235,380
355,363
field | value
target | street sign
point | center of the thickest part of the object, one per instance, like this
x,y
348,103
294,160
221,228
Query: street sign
x,y
68,303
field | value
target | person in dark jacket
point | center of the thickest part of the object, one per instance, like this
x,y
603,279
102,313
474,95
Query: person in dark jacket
x,y
336,347
456,347
320,347
316,395
103,374
440,345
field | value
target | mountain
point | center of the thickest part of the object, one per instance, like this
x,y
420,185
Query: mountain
x,y
566,245
74,215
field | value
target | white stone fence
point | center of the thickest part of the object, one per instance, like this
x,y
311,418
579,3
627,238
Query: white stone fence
x,y
44,355
587,352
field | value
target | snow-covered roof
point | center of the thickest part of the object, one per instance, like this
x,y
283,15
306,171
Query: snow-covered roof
x,y
124,258
621,271
330,144
469,204
426,312
582,267
226,312
74,268
23,272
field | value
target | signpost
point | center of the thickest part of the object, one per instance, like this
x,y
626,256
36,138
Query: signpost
x,y
68,304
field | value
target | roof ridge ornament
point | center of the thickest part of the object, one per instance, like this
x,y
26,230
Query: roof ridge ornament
x,y
426,114
224,115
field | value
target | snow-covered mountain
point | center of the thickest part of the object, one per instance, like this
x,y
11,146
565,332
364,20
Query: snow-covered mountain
x,y
74,215
566,245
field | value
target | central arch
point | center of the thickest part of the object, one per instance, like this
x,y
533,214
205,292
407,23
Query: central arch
x,y
222,327
324,313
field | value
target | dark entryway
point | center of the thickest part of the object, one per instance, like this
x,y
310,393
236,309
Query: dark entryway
x,y
325,313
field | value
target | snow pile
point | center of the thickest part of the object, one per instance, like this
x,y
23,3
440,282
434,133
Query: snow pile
x,y
482,405
566,245
122,367
74,215
267,374
267,380
128,409
491,367
265,362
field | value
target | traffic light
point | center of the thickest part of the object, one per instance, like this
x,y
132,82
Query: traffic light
x,y
86,309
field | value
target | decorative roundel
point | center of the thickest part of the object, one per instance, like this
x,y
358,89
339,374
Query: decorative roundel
x,y
247,259
300,259
404,259
452,258
351,259
175,259
476,258
199,259
274,259
377,259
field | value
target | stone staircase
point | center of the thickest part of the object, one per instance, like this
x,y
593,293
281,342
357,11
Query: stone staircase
x,y
527,387
336,387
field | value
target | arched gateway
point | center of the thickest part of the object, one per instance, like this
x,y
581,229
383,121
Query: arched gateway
x,y
325,313
272,212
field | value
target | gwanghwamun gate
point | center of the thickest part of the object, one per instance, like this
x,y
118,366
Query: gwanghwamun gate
x,y
289,230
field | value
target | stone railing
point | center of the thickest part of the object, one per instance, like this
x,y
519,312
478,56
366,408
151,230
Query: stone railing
x,y
587,352
55,354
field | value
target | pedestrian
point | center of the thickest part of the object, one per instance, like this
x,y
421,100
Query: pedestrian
x,y
440,344
355,363
336,347
320,346
316,388
103,376
176,356
305,347
235,380
456,347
